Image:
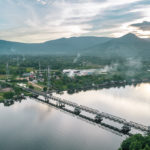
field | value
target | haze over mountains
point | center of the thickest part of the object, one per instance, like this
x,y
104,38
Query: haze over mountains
x,y
63,46
126,46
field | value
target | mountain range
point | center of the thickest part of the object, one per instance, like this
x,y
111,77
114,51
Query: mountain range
x,y
126,46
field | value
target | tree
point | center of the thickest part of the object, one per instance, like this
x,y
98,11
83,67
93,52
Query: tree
x,y
8,95
31,87
17,91
147,147
136,142
45,89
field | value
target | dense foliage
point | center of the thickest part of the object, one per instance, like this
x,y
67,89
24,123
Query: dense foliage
x,y
8,95
121,69
136,142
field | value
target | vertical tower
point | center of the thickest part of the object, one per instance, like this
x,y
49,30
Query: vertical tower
x,y
23,58
17,61
39,69
48,79
7,71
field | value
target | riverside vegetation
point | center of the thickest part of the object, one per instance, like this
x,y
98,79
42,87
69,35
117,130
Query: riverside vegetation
x,y
136,142
119,70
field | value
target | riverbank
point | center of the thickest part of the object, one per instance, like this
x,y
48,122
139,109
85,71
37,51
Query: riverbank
x,y
136,142
1,97
43,120
103,85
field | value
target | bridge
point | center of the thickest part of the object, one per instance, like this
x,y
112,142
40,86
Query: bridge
x,y
79,109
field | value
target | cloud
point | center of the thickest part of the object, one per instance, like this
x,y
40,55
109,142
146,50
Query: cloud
x,y
42,20
43,2
145,26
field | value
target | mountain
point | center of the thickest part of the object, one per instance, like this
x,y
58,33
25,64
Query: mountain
x,y
7,47
126,46
63,46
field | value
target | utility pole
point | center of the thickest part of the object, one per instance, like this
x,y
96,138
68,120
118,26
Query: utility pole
x,y
39,69
39,66
17,61
7,71
48,79
23,58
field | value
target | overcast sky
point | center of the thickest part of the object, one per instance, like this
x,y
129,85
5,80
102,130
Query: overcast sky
x,y
43,20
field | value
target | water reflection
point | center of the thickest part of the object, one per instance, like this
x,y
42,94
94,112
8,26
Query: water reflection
x,y
22,128
124,102
36,126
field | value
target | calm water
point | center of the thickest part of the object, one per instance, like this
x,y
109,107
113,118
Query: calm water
x,y
31,125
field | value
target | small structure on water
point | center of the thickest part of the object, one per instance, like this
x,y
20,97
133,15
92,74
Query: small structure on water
x,y
8,102
126,129
98,118
77,111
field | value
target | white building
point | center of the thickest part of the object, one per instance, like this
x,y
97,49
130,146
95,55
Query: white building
x,y
85,72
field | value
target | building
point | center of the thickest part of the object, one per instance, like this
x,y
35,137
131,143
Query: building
x,y
84,72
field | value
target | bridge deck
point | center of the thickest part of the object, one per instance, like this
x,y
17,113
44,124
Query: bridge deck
x,y
93,111
89,110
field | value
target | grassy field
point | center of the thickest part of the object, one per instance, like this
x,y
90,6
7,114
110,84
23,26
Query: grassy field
x,y
36,86
29,69
2,77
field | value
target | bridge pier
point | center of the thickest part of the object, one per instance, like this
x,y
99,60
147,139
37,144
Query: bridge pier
x,y
98,118
46,99
126,128
61,105
8,102
35,95
77,110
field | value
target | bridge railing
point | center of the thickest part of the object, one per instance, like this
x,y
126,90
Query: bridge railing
x,y
94,111
112,117
64,101
138,126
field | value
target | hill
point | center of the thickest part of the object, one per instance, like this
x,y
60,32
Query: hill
x,y
126,46
63,46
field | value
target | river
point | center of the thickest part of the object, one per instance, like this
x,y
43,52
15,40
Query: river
x,y
31,125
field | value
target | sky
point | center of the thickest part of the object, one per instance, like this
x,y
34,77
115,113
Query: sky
x,y
35,21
